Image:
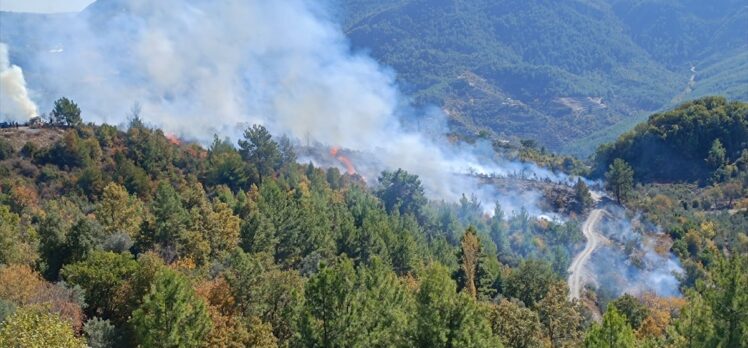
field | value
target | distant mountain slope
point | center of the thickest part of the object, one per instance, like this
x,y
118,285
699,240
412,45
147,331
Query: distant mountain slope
x,y
554,71
569,74
676,145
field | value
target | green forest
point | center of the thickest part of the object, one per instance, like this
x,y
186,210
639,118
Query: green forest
x,y
705,140
555,71
123,237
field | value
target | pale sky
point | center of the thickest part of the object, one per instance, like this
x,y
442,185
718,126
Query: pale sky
x,y
44,6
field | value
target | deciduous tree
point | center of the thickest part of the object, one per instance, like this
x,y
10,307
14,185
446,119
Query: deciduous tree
x,y
118,212
469,257
34,327
562,320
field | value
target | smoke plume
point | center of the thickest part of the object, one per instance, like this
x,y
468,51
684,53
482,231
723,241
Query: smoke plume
x,y
205,67
15,104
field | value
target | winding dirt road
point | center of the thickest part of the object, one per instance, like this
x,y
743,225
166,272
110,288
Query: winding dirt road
x,y
577,276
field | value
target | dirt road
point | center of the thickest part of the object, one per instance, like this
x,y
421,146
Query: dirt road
x,y
577,276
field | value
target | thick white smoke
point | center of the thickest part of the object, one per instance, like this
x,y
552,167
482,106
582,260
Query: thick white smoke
x,y
15,104
204,67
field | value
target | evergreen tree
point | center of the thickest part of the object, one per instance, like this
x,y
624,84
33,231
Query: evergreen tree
x,y
66,112
331,313
17,244
717,155
100,333
582,196
562,320
614,332
724,292
260,150
402,191
530,282
82,239
171,314
633,309
170,218
498,229
620,179
225,166
695,326
446,319
517,325
386,307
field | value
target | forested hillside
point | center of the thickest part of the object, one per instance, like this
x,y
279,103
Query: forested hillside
x,y
568,74
705,140
555,71
124,237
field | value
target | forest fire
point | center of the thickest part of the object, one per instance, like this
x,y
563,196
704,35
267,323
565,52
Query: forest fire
x,y
335,152
173,138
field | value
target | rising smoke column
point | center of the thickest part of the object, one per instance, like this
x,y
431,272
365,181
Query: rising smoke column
x,y
15,104
203,67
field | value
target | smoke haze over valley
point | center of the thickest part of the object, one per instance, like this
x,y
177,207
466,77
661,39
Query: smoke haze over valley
x,y
304,173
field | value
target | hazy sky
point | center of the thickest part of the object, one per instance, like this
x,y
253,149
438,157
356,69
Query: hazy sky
x,y
43,6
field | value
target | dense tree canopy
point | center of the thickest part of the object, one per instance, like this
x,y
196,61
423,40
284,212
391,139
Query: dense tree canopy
x,y
691,142
126,238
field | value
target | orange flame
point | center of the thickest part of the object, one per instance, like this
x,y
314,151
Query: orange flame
x,y
172,138
335,152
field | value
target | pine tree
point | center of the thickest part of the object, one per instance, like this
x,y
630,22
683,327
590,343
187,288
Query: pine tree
x,y
468,258
620,179
725,293
447,319
402,191
582,196
171,218
614,332
530,282
695,326
66,112
103,276
171,314
331,312
261,152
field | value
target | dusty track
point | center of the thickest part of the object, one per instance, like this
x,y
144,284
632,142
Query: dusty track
x,y
577,275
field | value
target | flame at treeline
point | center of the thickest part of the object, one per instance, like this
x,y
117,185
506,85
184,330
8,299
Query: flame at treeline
x,y
349,167
173,138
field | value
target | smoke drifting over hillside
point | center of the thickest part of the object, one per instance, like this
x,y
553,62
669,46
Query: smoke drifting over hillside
x,y
630,263
199,68
15,104
204,67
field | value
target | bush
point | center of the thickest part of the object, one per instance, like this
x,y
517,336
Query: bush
x,y
6,150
